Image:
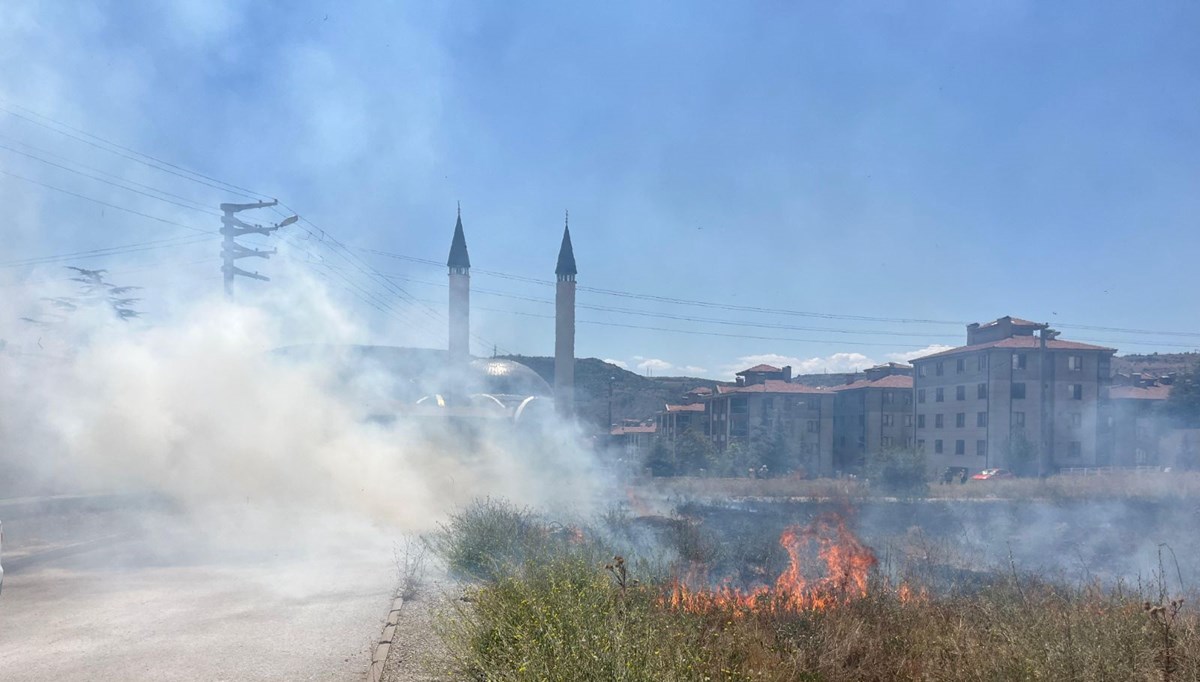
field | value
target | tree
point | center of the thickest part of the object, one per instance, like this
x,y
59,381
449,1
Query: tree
x,y
772,449
660,460
1183,403
1022,454
898,471
695,453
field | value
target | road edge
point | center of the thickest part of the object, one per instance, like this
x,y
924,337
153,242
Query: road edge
x,y
384,644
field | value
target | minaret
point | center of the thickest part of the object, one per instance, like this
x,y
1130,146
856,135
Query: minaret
x,y
564,326
459,264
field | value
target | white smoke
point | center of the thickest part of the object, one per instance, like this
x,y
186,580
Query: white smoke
x,y
201,411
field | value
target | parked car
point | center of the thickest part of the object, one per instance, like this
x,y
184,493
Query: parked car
x,y
990,474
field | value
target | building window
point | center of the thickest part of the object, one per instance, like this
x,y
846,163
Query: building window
x,y
960,392
939,395
960,420
920,421
887,419
1018,391
981,448
812,425
1076,391
1076,449
960,447
908,397
1018,361
981,359
921,370
1075,363
938,421
940,368
920,395
1076,419
960,366
1018,419
887,441
737,405
981,391
981,419
937,446
921,445
908,420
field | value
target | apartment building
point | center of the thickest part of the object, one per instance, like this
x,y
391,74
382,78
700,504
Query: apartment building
x,y
872,414
1015,396
1139,428
760,407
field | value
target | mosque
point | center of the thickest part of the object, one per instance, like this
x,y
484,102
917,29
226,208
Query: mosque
x,y
393,381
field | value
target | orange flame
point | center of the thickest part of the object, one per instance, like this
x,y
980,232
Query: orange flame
x,y
847,565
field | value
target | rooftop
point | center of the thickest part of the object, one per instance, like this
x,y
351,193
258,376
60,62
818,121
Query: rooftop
x,y
892,381
759,368
1155,392
771,386
622,430
1015,321
1018,343
692,407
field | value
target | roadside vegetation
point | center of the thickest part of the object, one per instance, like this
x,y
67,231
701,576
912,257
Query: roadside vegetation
x,y
607,601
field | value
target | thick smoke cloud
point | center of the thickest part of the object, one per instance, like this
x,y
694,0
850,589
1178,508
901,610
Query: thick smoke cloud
x,y
201,411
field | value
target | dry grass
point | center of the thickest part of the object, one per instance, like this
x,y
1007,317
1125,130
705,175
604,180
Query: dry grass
x,y
1118,486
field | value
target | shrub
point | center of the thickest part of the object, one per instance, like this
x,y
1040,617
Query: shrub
x,y
900,472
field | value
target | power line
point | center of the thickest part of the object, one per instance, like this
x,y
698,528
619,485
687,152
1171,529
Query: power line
x,y
191,175
104,203
190,205
111,251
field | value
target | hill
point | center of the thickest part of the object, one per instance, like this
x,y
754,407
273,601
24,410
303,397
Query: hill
x,y
634,396
1156,363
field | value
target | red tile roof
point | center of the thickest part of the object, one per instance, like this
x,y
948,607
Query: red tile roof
x,y
1158,392
701,390
771,386
759,368
1017,343
693,407
891,381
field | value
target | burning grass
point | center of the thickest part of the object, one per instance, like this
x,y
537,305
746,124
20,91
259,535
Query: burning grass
x,y
565,612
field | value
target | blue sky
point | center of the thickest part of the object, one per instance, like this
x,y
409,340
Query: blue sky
x,y
950,162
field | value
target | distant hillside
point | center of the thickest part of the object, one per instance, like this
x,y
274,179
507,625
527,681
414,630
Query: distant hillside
x,y
1156,363
634,396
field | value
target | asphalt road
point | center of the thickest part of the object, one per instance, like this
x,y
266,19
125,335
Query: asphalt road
x,y
103,598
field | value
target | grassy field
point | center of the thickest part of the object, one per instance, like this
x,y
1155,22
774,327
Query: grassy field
x,y
550,602
1182,485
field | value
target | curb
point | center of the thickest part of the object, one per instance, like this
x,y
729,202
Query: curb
x,y
384,645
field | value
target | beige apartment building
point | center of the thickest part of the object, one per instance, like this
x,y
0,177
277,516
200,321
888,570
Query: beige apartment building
x,y
1016,397
872,414
759,407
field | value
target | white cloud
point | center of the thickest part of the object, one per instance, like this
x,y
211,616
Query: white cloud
x,y
919,353
653,364
619,363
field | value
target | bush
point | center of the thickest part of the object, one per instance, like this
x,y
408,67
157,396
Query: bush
x,y
489,537
900,472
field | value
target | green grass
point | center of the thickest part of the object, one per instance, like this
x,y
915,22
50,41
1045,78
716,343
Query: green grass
x,y
561,609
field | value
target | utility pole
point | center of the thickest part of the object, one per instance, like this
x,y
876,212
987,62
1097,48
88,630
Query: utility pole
x,y
231,227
